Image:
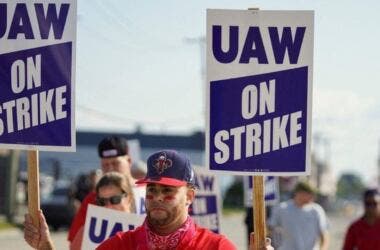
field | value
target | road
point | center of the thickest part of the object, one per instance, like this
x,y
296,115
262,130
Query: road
x,y
232,226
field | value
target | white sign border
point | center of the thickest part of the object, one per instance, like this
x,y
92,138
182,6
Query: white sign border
x,y
309,106
73,16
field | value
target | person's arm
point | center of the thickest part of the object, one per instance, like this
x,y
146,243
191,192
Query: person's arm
x,y
76,244
325,240
80,217
37,237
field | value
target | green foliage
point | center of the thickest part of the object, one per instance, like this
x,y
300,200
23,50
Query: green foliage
x,y
234,195
350,186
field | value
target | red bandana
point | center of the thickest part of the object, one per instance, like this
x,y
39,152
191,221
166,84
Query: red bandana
x,y
167,242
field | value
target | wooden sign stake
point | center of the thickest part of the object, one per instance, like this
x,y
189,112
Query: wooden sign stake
x,y
259,226
33,186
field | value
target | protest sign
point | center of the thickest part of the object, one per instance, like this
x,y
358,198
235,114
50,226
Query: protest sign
x,y
37,74
102,223
259,90
139,195
205,209
271,192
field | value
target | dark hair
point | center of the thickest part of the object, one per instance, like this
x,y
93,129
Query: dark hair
x,y
370,192
118,180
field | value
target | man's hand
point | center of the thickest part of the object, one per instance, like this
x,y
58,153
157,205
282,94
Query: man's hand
x,y
252,245
37,237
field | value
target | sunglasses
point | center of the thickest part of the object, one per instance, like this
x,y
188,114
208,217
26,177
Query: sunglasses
x,y
114,200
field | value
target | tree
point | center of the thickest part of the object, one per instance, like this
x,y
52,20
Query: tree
x,y
234,195
350,186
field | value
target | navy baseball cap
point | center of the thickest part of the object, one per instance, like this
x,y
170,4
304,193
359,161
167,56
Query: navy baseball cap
x,y
112,146
168,167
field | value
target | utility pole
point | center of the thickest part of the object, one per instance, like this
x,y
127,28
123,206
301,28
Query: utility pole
x,y
322,152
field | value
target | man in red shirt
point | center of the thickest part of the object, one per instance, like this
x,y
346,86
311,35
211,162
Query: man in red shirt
x,y
364,234
113,153
169,192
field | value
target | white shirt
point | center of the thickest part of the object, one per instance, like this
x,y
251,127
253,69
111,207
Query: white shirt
x,y
299,227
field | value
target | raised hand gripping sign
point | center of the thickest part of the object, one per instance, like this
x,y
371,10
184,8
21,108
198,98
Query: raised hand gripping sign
x,y
259,87
37,74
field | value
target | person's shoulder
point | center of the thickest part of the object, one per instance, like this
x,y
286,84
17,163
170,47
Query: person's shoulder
x,y
121,240
89,199
317,207
212,240
80,216
115,242
357,224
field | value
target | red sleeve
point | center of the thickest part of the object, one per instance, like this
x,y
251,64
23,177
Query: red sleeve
x,y
205,239
225,244
118,241
110,244
80,217
349,241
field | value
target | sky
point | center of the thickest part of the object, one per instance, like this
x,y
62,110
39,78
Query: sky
x,y
140,65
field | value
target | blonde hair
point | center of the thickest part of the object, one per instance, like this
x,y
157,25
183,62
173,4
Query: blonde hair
x,y
121,181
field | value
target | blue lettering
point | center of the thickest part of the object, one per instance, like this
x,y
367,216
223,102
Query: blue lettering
x,y
117,228
142,206
286,42
51,19
46,21
3,19
254,46
103,229
21,23
254,37
208,182
131,227
219,54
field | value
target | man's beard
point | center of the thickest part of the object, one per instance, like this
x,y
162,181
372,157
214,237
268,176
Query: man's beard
x,y
170,216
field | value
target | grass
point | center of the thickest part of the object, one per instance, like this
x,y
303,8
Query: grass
x,y
232,210
5,225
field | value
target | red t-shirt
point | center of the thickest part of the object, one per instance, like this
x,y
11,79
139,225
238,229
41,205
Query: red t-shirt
x,y
362,236
194,238
80,217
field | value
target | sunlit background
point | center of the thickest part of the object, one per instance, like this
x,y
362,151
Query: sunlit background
x,y
140,65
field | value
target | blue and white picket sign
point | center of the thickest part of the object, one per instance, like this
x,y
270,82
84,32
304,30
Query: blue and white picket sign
x,y
259,91
37,74
102,223
205,209
271,190
139,195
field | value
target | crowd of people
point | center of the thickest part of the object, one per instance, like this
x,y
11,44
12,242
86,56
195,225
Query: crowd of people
x,y
169,189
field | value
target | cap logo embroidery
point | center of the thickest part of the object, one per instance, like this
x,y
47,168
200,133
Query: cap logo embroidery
x,y
162,163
